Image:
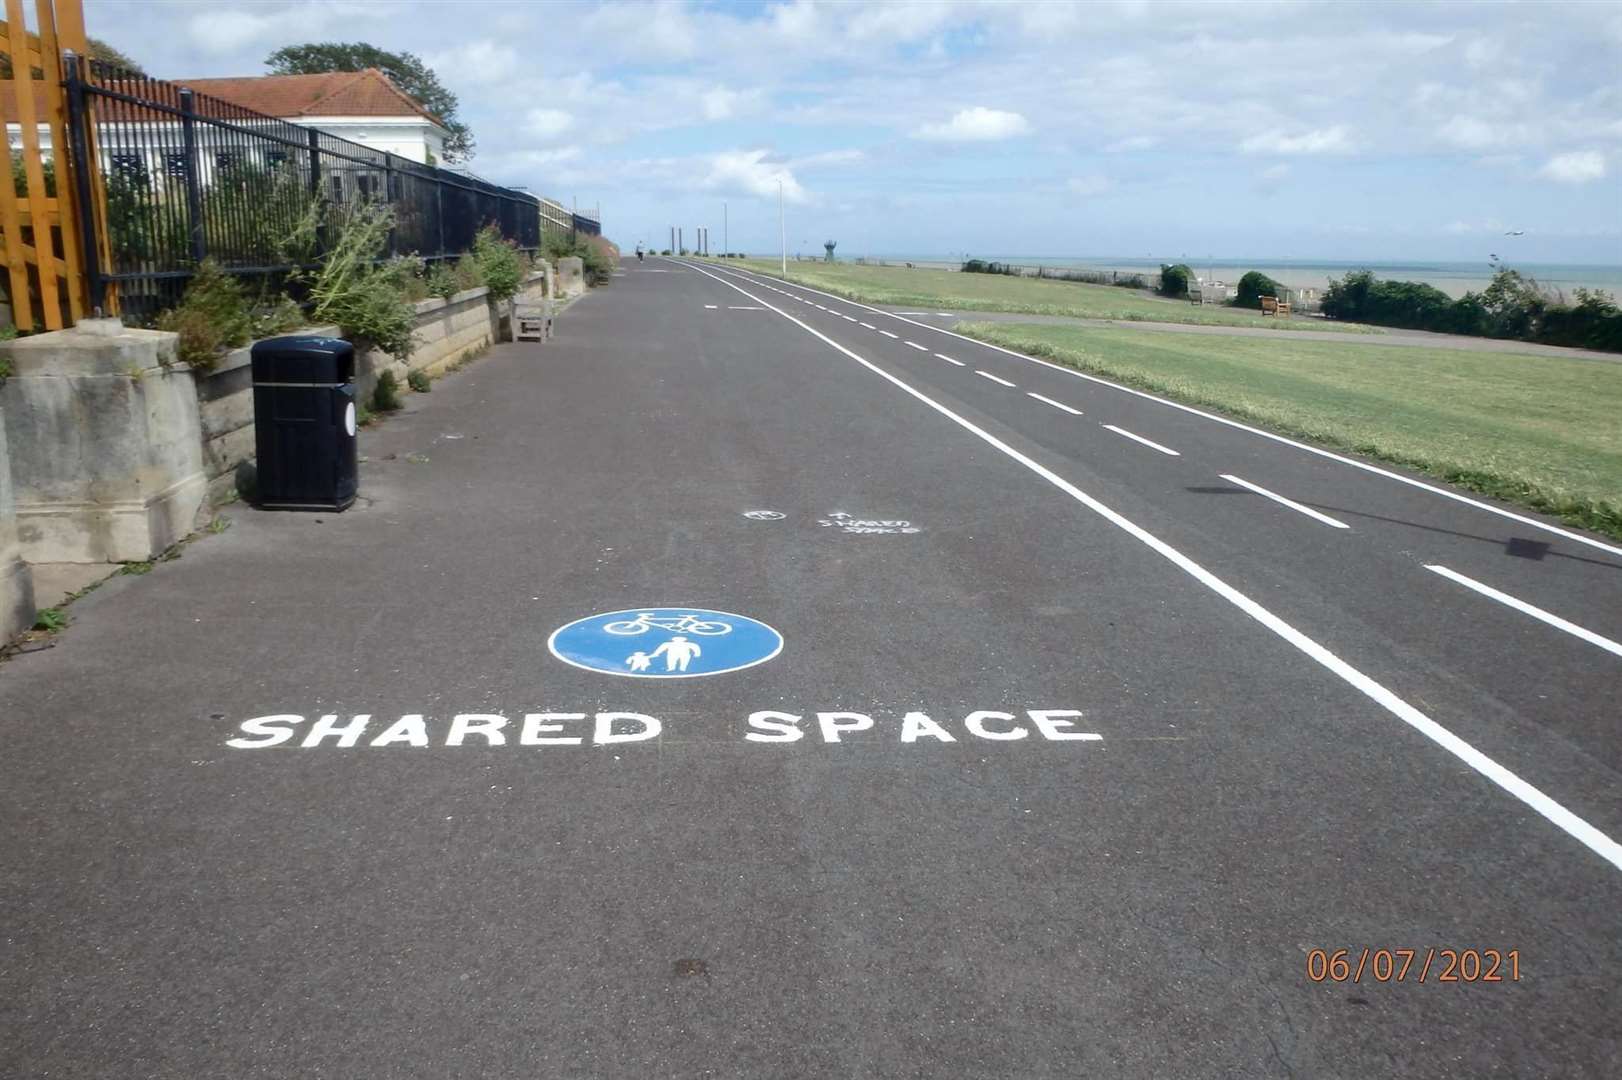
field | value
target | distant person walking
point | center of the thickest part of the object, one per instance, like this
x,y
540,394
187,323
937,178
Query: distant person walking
x,y
678,652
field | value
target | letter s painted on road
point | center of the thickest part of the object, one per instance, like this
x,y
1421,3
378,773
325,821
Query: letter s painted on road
x,y
268,728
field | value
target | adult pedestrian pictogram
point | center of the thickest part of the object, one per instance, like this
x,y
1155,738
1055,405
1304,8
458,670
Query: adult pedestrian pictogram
x,y
665,643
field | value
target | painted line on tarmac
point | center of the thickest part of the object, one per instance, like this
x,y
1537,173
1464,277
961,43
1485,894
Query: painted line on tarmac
x,y
711,307
1150,443
1563,819
744,307
887,334
1530,609
920,348
1282,501
949,360
993,378
1050,401
849,318
1285,440
869,326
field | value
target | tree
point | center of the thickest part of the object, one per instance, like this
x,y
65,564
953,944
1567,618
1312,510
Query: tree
x,y
1252,287
406,70
100,50
1174,279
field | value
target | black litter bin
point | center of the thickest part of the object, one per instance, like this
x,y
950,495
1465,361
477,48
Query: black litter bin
x,y
304,423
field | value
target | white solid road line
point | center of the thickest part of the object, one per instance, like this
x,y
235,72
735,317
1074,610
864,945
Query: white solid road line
x,y
1330,454
887,334
949,360
869,326
1150,443
1529,609
993,378
1563,819
1050,401
1282,501
917,346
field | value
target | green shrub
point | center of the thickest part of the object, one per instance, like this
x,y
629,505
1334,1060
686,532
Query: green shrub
x,y
440,280
278,316
1174,279
419,381
465,275
386,392
50,619
367,300
499,263
213,316
1252,287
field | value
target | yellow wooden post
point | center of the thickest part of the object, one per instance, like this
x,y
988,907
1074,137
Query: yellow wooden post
x,y
22,82
79,302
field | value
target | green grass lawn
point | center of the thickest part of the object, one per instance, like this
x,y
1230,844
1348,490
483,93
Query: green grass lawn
x,y
949,290
1543,432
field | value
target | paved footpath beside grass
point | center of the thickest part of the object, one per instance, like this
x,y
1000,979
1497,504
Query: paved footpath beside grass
x,y
1536,430
952,290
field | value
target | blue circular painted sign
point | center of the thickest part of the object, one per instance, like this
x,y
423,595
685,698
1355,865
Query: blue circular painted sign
x,y
665,642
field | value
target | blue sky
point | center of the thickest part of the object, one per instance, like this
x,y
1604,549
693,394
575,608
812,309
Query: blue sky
x,y
1380,132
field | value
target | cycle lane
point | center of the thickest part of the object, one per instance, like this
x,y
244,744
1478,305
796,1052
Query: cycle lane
x,y
697,900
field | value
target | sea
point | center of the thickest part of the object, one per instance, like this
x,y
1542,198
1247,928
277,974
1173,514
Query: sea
x,y
1453,278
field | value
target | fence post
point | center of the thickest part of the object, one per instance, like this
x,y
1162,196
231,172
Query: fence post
x,y
389,199
439,212
314,138
194,189
81,183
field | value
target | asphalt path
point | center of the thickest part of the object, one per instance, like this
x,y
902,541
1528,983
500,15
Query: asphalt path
x,y
1143,741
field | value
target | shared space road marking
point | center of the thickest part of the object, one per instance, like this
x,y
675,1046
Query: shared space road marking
x,y
1529,609
1319,451
1563,819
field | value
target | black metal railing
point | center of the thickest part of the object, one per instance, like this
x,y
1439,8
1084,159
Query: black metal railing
x,y
187,177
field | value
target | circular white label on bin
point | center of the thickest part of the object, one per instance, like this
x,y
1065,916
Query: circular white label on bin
x,y
349,418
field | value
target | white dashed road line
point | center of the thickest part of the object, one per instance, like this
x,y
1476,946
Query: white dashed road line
x,y
1282,501
868,325
710,307
743,307
887,333
1139,438
1528,609
917,346
848,318
993,378
1050,401
949,360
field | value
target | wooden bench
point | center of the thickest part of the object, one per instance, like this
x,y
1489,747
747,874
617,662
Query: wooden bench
x,y
1272,305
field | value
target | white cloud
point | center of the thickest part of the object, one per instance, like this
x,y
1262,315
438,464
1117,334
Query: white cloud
x,y
748,172
478,63
1092,184
1331,140
547,123
1132,143
720,103
828,159
1577,167
978,124
228,31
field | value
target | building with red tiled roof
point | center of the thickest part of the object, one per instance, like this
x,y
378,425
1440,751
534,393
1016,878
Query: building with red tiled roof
x,y
361,106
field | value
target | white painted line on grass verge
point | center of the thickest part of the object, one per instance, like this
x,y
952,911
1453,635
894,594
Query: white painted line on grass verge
x,y
1055,404
1529,609
993,378
1563,819
1150,443
887,334
1282,501
1330,454
917,346
949,360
